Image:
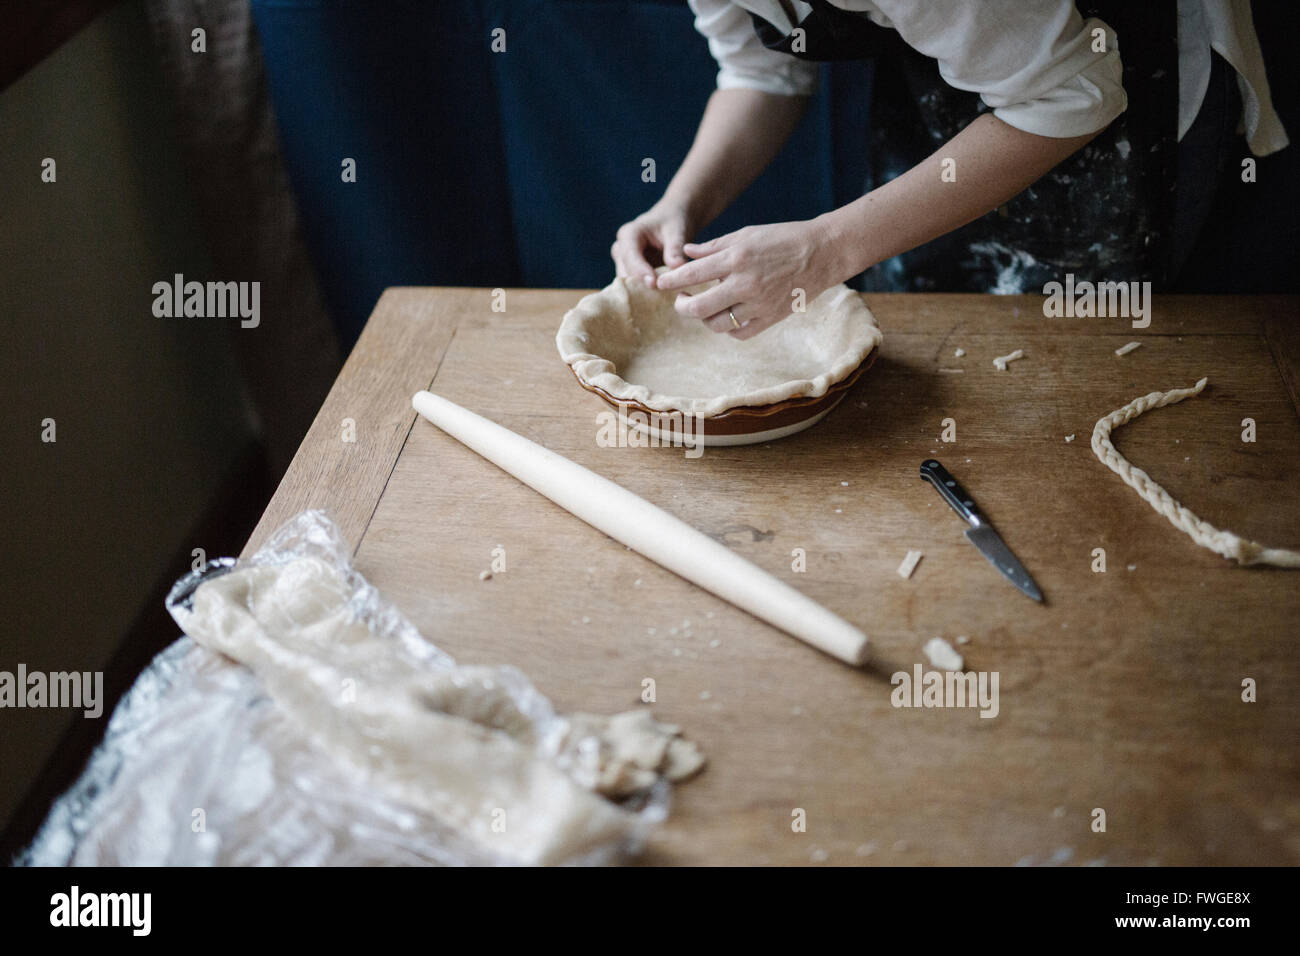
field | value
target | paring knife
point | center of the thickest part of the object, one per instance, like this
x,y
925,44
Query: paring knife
x,y
980,533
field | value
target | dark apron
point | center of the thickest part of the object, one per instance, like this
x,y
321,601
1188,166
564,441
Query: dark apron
x,y
1103,214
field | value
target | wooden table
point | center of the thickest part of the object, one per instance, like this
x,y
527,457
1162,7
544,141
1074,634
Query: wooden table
x,y
1123,692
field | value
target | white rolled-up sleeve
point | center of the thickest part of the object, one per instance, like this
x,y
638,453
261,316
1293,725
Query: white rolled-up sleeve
x,y
743,61
1034,62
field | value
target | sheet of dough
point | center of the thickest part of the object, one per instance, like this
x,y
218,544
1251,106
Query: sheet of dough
x,y
631,342
447,740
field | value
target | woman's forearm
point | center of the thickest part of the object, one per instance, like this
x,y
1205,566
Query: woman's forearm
x,y
991,162
741,131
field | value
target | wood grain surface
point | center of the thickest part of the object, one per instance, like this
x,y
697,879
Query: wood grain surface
x,y
1122,692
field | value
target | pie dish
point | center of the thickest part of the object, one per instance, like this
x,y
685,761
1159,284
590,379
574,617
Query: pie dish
x,y
627,344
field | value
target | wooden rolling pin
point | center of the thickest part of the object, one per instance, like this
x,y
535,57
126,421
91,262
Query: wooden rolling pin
x,y
649,530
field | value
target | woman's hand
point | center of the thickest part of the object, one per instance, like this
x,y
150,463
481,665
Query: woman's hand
x,y
655,237
760,268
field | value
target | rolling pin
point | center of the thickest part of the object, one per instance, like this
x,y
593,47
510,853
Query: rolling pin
x,y
649,530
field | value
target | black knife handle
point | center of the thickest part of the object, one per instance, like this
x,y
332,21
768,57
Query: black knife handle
x,y
957,497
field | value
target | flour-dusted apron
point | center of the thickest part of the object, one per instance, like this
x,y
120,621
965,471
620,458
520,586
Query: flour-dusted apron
x,y
1102,214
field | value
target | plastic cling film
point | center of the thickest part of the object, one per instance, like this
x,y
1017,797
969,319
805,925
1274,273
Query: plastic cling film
x,y
347,738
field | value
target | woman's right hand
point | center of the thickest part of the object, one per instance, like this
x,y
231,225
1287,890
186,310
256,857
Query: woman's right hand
x,y
651,239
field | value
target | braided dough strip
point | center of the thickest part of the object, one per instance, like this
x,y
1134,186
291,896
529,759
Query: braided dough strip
x,y
1202,532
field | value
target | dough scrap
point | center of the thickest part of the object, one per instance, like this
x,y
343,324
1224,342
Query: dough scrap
x,y
943,655
909,564
1226,543
450,740
1000,363
626,753
629,341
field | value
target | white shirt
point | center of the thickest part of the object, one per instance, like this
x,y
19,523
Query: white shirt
x,y
1226,27
1031,61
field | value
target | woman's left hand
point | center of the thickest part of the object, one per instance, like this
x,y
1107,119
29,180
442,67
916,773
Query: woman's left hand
x,y
762,270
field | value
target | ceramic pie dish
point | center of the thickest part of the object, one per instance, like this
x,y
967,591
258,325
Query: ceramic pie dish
x,y
627,344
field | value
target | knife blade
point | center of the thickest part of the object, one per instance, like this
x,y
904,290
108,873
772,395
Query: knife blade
x,y
981,532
